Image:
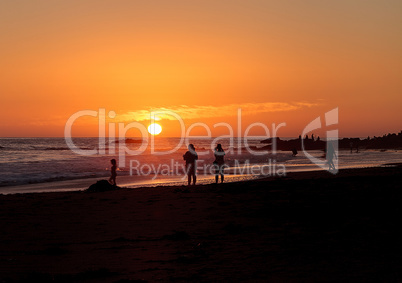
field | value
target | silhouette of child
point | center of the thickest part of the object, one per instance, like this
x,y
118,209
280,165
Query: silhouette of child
x,y
113,174
219,162
190,157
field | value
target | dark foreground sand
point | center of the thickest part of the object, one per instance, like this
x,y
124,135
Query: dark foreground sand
x,y
305,227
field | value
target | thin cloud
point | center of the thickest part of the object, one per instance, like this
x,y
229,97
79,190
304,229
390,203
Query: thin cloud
x,y
209,111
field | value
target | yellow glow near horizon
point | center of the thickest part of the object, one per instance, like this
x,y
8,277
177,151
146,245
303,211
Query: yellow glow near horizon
x,y
154,129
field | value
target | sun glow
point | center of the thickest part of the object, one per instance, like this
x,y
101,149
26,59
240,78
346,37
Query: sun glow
x,y
154,129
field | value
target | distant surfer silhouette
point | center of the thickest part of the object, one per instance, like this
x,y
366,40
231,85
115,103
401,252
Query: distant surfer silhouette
x,y
330,156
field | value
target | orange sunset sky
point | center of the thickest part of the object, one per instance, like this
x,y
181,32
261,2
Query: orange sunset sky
x,y
280,61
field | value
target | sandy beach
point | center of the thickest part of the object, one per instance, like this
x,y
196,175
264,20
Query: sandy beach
x,y
310,226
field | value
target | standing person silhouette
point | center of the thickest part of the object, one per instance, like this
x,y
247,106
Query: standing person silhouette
x,y
330,156
113,174
219,162
191,165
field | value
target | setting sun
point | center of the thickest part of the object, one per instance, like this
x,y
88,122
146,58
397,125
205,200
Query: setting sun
x,y
154,129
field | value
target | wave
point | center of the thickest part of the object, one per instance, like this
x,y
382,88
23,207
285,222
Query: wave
x,y
58,148
46,179
128,140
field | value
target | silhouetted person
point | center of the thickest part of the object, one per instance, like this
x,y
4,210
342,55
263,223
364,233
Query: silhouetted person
x,y
330,156
190,157
294,152
219,162
113,174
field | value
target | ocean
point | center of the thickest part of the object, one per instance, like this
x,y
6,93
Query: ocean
x,y
47,164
